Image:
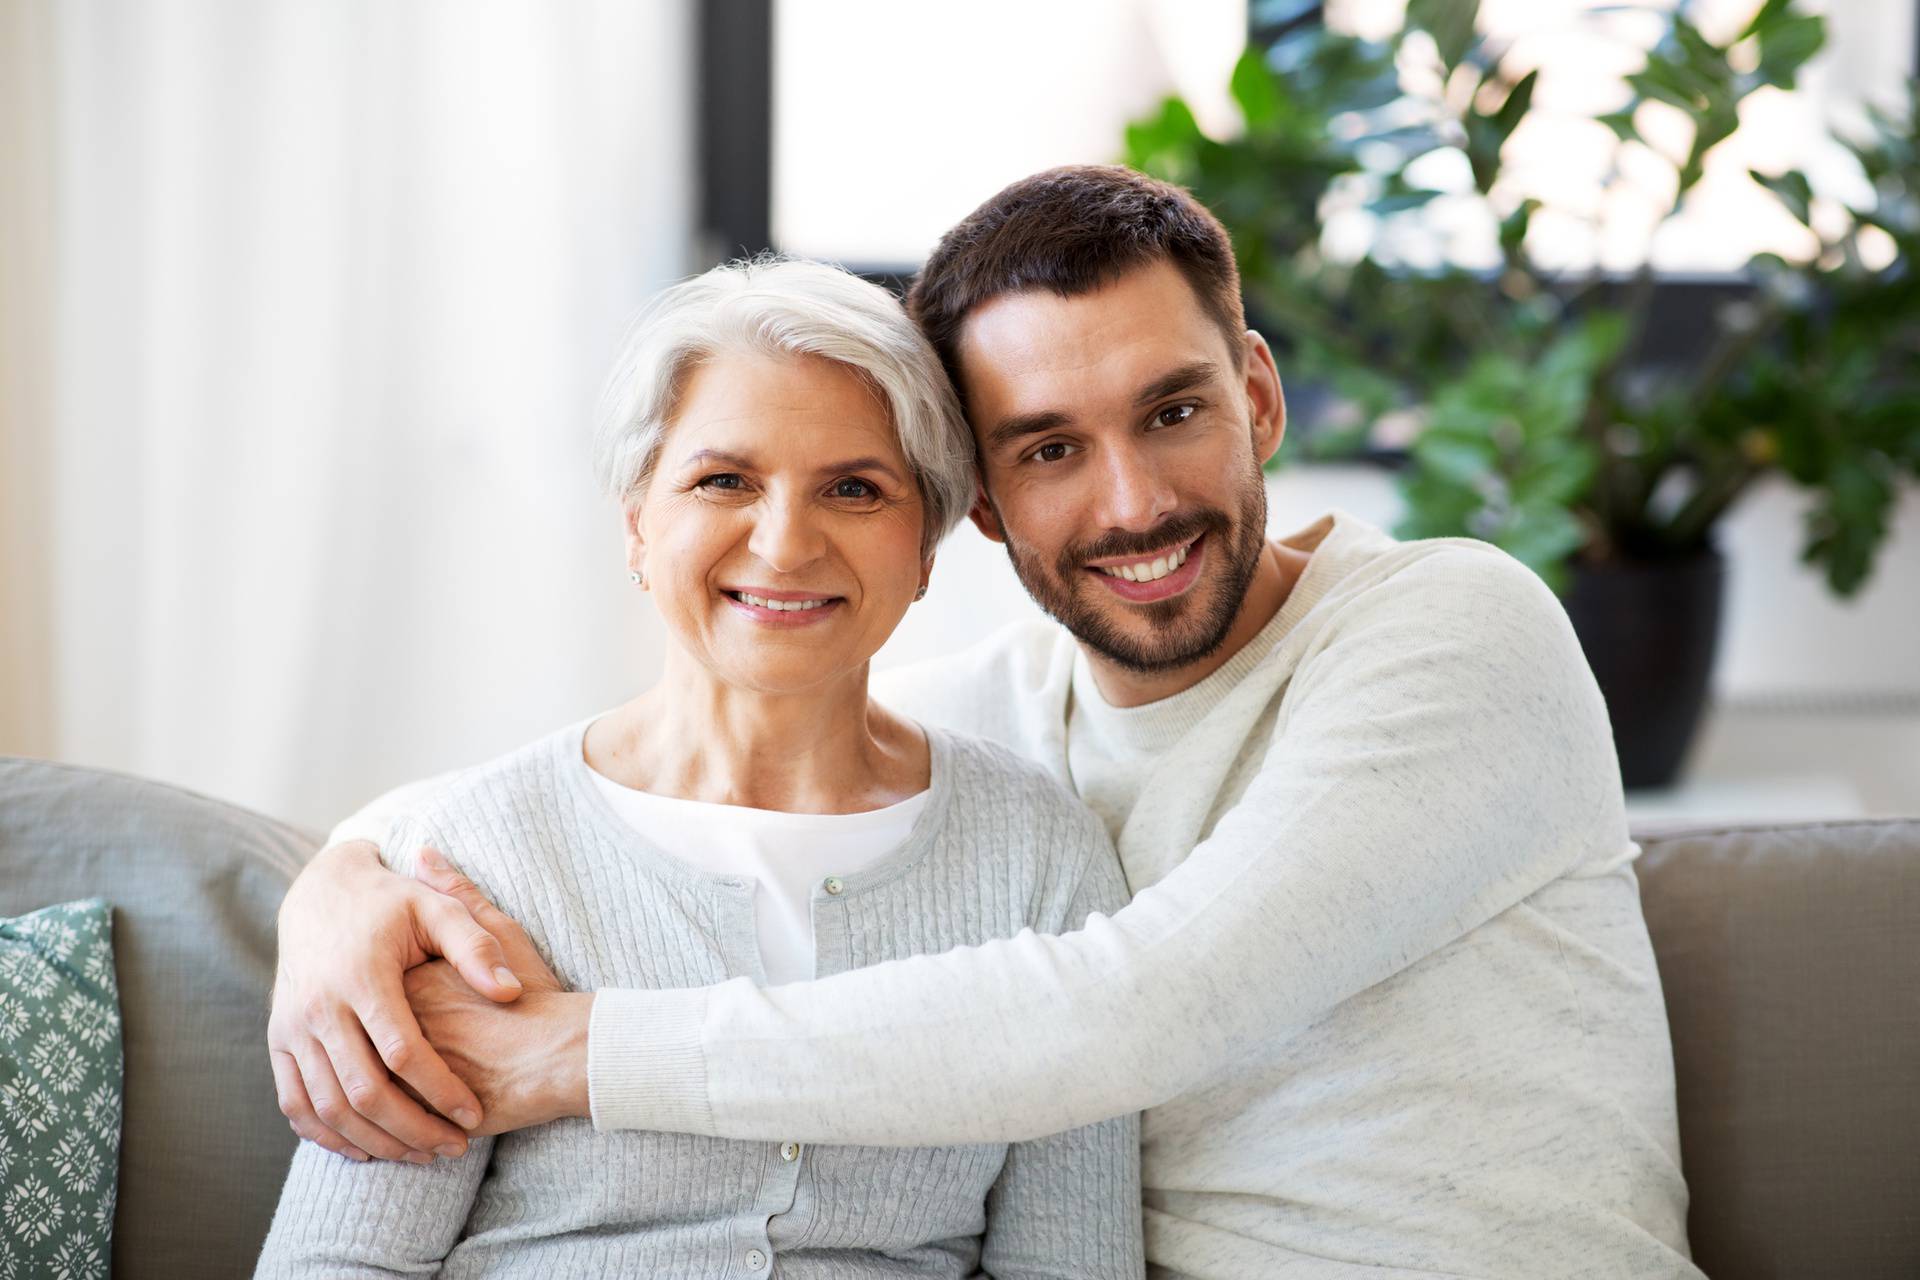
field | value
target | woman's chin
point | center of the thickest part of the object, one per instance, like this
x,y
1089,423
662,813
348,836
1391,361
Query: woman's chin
x,y
787,675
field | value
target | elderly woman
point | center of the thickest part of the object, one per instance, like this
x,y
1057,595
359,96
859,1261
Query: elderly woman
x,y
787,452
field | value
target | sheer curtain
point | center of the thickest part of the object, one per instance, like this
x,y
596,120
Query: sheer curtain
x,y
327,295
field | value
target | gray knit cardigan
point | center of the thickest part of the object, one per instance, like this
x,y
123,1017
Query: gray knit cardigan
x,y
1000,847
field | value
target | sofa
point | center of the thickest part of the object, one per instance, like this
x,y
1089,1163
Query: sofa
x,y
1790,956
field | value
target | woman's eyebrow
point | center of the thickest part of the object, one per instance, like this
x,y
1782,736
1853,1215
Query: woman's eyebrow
x,y
870,462
701,457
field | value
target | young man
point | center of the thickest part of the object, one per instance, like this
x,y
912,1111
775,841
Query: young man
x,y
1384,991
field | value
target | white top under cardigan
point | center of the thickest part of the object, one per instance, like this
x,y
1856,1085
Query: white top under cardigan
x,y
783,856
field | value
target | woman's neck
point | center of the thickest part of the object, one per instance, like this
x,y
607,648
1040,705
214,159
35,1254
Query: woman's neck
x,y
828,750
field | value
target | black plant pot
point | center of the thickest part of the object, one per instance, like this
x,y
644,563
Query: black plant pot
x,y
1649,630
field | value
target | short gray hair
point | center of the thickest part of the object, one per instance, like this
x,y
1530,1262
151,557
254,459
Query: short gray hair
x,y
786,306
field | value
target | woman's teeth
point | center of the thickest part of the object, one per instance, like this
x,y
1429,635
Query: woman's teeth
x,y
1148,570
790,606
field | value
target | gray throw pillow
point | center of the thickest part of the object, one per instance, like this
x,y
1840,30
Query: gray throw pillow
x,y
60,1084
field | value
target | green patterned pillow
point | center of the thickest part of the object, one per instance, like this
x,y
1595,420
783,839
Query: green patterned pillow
x,y
59,1092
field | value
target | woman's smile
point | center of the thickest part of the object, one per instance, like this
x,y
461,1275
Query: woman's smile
x,y
782,608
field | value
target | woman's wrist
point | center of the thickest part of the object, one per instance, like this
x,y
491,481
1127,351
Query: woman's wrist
x,y
564,1091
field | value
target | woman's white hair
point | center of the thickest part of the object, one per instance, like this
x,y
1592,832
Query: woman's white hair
x,y
785,306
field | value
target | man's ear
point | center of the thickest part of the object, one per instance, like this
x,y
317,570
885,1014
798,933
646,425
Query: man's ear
x,y
1264,396
982,515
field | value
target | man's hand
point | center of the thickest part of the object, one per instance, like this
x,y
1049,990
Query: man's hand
x,y
527,1061
349,931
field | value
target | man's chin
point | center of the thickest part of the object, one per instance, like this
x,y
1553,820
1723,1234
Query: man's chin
x,y
1152,638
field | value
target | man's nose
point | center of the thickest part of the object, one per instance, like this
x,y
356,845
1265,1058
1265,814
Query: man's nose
x,y
1136,495
785,535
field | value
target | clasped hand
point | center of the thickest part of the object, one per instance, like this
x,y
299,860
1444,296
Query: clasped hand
x,y
379,1047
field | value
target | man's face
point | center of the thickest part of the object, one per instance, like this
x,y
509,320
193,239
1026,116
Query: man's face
x,y
1121,440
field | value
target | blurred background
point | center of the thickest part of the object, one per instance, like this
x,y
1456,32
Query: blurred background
x,y
303,308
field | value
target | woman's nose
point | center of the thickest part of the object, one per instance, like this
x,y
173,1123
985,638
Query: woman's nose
x,y
785,537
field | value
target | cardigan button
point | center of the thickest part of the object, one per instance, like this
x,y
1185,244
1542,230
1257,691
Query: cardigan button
x,y
756,1260
833,885
789,1151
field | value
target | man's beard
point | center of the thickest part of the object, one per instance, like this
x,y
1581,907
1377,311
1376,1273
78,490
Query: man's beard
x,y
1184,629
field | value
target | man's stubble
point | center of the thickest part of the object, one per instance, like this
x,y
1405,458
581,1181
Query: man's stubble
x,y
1185,629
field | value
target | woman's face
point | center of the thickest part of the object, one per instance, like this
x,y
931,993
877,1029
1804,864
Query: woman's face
x,y
780,533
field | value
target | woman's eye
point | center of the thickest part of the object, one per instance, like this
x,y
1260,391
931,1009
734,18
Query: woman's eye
x,y
1174,414
724,480
851,488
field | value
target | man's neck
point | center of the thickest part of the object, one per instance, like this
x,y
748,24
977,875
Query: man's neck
x,y
1273,581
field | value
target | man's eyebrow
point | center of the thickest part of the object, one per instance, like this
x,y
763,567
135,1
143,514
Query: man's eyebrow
x,y
1025,424
1185,378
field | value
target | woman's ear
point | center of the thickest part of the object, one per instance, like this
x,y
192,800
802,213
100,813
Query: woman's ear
x,y
636,540
1264,397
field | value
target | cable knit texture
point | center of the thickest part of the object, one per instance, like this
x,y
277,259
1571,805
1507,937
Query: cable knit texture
x,y
999,849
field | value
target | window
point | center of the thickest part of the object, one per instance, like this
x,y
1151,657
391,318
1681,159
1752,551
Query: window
x,y
889,122
1601,200
893,121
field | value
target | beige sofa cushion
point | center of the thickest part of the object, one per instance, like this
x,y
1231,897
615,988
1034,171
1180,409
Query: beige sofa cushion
x,y
194,885
1791,961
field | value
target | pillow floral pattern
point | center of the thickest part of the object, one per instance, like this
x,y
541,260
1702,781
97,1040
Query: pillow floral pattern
x,y
60,1076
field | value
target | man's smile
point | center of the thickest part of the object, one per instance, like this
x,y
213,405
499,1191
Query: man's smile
x,y
1159,576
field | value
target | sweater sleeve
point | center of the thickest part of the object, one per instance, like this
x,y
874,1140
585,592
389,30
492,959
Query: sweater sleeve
x,y
374,820
341,1218
1444,755
1067,1206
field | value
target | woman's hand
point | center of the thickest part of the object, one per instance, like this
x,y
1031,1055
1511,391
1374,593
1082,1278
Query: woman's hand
x,y
349,930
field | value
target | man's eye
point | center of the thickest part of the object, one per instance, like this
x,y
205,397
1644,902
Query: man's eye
x,y
1174,414
1054,451
852,488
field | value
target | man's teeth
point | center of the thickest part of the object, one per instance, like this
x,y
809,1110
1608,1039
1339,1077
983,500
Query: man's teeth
x,y
790,606
1148,570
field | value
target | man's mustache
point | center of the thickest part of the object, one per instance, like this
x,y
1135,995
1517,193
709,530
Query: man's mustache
x,y
1180,527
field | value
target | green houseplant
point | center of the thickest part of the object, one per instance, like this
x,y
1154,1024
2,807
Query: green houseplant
x,y
1540,416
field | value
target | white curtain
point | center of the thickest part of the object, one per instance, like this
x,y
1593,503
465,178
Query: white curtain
x,y
328,294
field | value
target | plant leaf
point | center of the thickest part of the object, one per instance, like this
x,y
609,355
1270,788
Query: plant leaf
x,y
1451,23
1791,188
1786,46
1254,90
1514,109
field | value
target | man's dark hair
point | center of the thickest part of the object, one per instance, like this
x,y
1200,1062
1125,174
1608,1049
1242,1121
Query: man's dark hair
x,y
1069,231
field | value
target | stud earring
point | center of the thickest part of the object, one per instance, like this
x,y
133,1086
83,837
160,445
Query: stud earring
x,y
921,594
636,577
